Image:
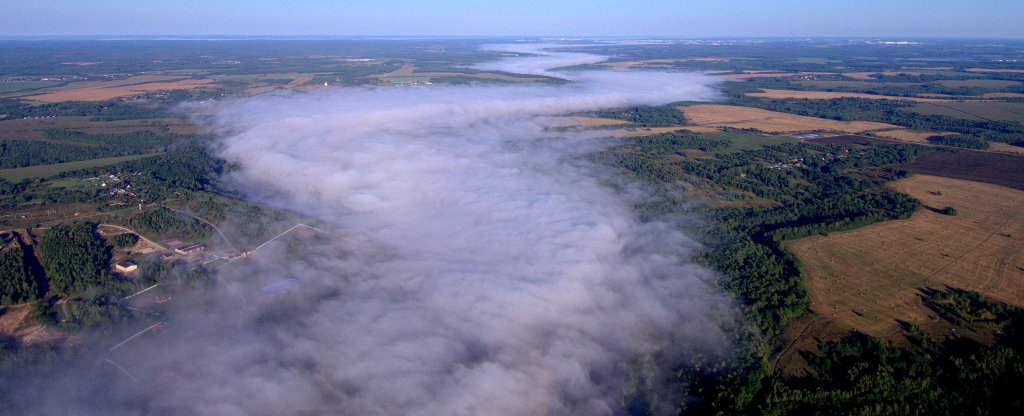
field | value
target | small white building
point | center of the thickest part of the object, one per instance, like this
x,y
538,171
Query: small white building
x,y
126,266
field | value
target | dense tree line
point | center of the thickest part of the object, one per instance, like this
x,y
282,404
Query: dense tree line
x,y
960,140
162,222
73,146
888,111
17,282
892,85
647,116
124,240
675,142
75,257
97,110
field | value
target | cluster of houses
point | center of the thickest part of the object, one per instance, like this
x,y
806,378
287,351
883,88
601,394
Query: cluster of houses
x,y
117,185
793,163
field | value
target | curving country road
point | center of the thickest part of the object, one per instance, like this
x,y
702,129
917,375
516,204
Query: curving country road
x,y
215,228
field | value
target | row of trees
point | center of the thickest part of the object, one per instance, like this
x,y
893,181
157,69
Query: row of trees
x,y
887,111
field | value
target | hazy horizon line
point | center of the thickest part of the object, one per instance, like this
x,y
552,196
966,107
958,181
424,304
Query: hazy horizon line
x,y
214,37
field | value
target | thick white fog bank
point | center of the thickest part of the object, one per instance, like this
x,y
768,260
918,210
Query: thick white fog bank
x,y
509,280
483,266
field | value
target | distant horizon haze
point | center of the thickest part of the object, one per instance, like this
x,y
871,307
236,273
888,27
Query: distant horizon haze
x,y
532,18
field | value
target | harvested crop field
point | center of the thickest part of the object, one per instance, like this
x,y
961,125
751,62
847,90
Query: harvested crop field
x,y
988,167
974,110
867,279
825,84
710,115
297,82
105,90
1005,148
852,140
979,83
827,95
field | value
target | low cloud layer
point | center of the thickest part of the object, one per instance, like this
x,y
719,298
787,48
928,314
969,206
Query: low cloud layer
x,y
482,266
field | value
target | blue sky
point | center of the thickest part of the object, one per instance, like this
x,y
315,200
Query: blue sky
x,y
903,18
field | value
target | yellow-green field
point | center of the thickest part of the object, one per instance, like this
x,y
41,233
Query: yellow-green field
x,y
43,171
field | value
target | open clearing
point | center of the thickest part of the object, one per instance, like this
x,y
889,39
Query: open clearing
x,y
1006,71
43,171
974,110
979,83
912,136
988,167
826,84
1005,148
868,278
18,321
297,82
771,121
11,87
827,95
34,128
917,136
105,90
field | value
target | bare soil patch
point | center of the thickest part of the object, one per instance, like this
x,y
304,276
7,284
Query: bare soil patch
x,y
18,321
988,167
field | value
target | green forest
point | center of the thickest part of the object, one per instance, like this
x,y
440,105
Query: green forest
x,y
810,189
75,257
17,281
